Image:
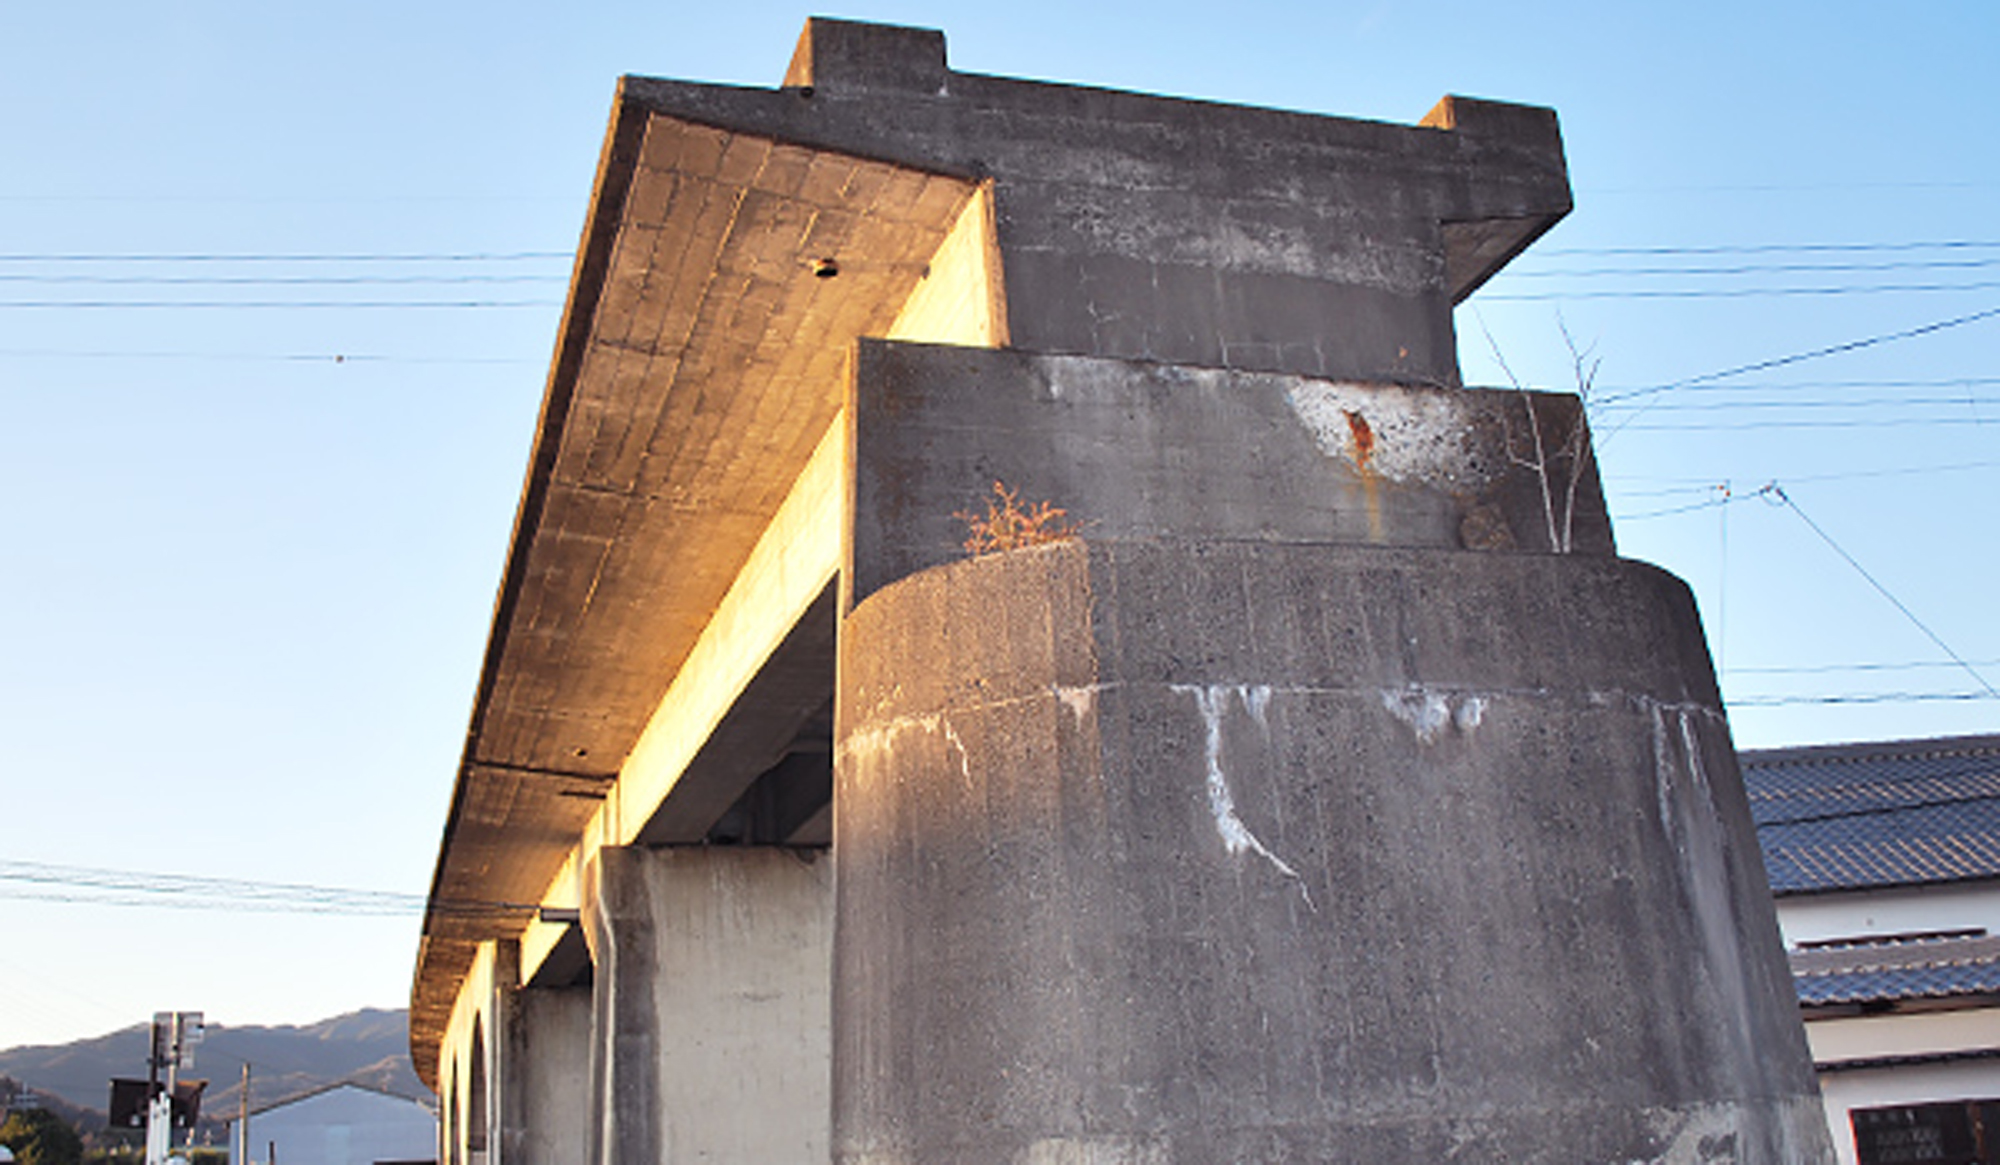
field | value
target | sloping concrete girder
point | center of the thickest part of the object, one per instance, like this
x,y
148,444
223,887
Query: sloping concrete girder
x,y
721,281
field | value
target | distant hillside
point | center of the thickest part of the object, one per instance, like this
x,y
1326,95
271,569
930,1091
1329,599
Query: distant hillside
x,y
368,1047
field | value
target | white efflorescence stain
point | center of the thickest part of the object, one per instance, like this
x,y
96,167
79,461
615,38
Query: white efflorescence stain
x,y
1079,700
958,746
1212,701
1429,711
1418,436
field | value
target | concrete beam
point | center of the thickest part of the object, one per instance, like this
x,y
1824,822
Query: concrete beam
x,y
1187,232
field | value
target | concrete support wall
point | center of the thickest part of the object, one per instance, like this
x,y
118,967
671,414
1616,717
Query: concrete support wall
x,y
710,1004
545,1114
1256,852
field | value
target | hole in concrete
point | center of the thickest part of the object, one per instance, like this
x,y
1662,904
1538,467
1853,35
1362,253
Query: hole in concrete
x,y
825,268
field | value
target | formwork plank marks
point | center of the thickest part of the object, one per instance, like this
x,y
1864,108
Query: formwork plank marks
x,y
631,266
742,159
784,170
611,458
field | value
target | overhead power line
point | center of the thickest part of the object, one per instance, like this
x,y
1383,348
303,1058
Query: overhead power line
x,y
1854,402
1703,485
268,280
107,887
1857,698
1777,491
308,304
1825,668
1801,357
1781,248
284,357
1531,272
1742,292
1622,390
286,257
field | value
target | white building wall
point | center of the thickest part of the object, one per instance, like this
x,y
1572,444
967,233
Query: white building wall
x,y
1807,918
342,1126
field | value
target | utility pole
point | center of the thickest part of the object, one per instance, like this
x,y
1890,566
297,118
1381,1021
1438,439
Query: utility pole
x,y
243,1120
174,1035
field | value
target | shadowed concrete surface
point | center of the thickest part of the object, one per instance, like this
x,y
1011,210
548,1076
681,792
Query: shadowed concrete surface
x,y
1258,852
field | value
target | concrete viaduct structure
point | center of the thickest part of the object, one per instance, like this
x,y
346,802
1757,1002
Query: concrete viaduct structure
x,y
1333,794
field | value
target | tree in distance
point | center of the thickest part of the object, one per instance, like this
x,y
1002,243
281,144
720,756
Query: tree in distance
x,y
39,1137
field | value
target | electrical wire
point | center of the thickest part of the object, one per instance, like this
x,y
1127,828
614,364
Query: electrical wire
x,y
1780,248
1704,485
280,357
90,885
398,304
1857,698
1812,354
273,280
1823,668
1778,492
291,257
1521,271
1741,292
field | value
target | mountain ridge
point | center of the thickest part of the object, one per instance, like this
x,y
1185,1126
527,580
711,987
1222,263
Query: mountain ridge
x,y
369,1047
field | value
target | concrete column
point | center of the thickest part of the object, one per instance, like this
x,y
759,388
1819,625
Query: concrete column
x,y
1248,852
545,1118
502,1065
710,1005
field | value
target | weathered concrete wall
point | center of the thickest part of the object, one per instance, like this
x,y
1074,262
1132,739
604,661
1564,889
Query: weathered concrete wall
x,y
546,1111
710,1004
1259,852
1152,451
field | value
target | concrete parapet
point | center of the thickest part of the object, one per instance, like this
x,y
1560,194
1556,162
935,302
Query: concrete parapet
x,y
1256,852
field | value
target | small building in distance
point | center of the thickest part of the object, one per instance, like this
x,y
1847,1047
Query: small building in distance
x,y
1885,861
340,1124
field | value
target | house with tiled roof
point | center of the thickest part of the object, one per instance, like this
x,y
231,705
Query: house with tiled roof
x,y
1885,862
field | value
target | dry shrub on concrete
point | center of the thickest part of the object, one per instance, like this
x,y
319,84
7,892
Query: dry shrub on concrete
x,y
1008,524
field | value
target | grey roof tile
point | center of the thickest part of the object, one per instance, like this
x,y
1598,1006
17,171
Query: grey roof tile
x,y
1858,816
1898,969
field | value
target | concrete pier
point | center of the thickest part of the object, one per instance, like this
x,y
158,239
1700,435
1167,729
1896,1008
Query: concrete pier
x,y
710,1004
1321,788
1253,852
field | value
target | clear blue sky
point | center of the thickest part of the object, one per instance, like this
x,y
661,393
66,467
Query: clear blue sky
x,y
247,586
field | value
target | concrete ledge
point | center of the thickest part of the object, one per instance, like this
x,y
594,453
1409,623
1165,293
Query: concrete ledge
x,y
1141,451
